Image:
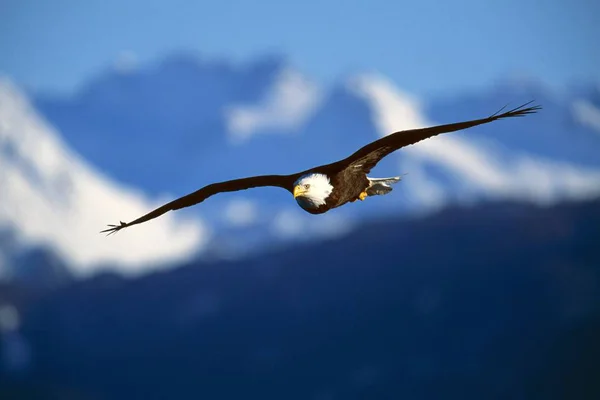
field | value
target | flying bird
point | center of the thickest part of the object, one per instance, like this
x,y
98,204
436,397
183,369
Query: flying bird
x,y
320,189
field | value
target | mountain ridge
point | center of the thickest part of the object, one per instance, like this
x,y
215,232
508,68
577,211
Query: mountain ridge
x,y
479,317
218,120
51,197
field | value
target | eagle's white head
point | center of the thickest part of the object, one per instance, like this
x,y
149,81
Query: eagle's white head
x,y
311,191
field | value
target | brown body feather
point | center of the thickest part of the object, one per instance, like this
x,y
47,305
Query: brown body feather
x,y
347,183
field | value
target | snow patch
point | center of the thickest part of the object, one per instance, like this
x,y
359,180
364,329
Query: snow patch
x,y
51,197
332,225
289,224
422,192
297,224
393,110
241,212
587,114
126,62
288,104
477,166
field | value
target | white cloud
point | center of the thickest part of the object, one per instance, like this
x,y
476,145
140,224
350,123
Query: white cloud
x,y
291,100
241,212
51,196
586,114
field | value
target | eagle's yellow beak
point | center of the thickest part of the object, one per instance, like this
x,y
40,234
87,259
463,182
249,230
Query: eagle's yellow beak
x,y
299,190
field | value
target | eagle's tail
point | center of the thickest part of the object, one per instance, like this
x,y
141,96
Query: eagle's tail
x,y
381,186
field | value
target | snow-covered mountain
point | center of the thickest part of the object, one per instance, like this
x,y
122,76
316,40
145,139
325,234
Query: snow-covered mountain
x,y
486,161
265,117
51,197
169,128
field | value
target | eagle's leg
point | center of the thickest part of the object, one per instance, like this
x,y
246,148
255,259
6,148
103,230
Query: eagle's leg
x,y
363,195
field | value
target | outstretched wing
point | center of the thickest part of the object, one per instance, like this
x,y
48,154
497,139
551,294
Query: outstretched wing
x,y
283,181
368,156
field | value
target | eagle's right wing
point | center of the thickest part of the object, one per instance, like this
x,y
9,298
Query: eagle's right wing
x,y
368,156
283,181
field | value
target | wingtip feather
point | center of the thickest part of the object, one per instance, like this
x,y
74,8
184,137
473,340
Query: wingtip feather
x,y
519,111
114,228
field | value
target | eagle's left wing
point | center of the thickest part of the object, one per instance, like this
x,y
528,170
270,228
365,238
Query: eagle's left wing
x,y
368,156
283,181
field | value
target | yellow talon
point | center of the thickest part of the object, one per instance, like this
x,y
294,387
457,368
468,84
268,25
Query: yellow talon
x,y
362,196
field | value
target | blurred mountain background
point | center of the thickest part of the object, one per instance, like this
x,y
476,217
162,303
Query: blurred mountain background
x,y
478,277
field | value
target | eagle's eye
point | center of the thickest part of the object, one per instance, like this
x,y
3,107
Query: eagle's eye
x,y
307,186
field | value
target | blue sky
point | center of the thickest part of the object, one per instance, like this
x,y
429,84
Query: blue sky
x,y
426,47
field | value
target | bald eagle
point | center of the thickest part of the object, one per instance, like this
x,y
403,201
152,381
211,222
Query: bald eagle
x,y
320,189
